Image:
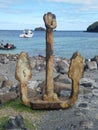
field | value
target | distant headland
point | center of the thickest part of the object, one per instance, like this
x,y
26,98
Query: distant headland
x,y
93,27
39,29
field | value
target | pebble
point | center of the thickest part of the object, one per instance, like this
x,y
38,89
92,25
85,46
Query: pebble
x,y
86,124
95,92
83,105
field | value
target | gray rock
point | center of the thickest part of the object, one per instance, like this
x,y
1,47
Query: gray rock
x,y
64,93
33,84
63,78
83,105
40,63
5,90
86,124
7,97
95,59
3,78
62,67
95,92
5,61
15,123
7,83
84,90
91,65
87,82
33,63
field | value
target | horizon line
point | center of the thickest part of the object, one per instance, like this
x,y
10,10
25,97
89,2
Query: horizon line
x,y
34,30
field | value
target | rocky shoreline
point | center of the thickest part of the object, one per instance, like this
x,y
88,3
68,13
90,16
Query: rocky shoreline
x,y
83,115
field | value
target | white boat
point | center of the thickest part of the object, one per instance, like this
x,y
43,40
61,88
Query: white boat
x,y
26,34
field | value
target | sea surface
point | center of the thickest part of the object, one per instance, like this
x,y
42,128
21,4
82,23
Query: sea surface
x,y
65,43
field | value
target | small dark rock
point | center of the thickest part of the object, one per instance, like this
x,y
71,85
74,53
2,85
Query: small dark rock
x,y
83,105
19,121
15,123
87,84
86,124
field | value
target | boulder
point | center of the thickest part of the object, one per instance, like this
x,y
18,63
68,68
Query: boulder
x,y
7,97
62,66
15,123
92,65
86,124
95,59
40,63
7,83
33,84
2,79
95,92
63,78
58,87
5,60
87,82
33,63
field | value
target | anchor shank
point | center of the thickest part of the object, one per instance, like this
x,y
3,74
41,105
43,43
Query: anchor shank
x,y
49,62
50,23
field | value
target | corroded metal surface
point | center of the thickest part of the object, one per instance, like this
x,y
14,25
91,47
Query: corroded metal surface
x,y
50,23
75,73
50,20
23,74
49,99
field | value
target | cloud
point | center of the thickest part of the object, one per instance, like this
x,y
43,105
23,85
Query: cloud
x,y
4,4
75,1
13,7
85,4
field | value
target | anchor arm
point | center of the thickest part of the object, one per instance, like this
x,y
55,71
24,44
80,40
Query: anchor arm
x,y
75,73
23,74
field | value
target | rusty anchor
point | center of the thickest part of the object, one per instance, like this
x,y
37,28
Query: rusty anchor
x,y
49,100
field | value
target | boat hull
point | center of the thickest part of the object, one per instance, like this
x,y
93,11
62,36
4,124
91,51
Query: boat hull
x,y
26,34
8,48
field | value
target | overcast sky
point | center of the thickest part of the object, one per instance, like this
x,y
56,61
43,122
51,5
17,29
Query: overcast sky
x,y
70,14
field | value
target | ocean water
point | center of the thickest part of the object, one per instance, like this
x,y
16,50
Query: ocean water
x,y
65,43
